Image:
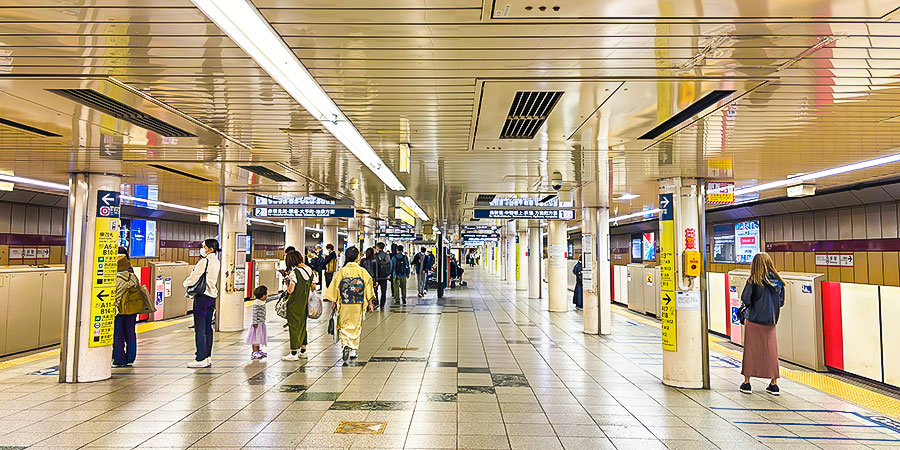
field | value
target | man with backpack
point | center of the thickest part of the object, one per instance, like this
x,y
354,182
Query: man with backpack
x,y
420,263
383,271
401,273
131,299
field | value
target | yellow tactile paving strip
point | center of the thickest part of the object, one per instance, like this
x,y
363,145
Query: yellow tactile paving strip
x,y
832,386
140,328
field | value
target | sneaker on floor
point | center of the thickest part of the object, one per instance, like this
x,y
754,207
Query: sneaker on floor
x,y
746,388
290,357
346,354
773,389
303,355
353,354
254,355
199,364
263,355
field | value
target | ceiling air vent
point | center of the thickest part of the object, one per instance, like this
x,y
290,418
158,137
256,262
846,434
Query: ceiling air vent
x,y
485,198
527,113
324,196
362,212
268,173
178,172
695,108
119,110
27,128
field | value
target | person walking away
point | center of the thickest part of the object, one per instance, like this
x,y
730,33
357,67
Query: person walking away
x,y
330,263
300,282
257,334
383,271
578,298
340,257
371,266
418,263
401,274
318,263
429,264
131,299
207,270
763,297
352,292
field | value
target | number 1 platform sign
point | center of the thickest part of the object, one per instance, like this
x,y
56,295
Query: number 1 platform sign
x,y
103,292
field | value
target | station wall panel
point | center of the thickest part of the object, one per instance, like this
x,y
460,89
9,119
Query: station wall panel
x,y
860,314
890,333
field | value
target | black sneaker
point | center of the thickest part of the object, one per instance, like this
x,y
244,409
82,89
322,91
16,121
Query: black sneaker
x,y
346,353
746,388
773,389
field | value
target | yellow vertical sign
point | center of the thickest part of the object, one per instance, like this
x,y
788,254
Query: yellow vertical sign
x,y
517,257
103,275
667,272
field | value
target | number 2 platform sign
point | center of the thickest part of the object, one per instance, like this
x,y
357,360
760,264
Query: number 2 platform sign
x,y
103,292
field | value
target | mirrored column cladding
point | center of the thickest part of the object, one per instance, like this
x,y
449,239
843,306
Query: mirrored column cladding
x,y
682,313
295,235
369,236
511,257
352,232
534,259
233,274
91,249
521,255
330,231
557,289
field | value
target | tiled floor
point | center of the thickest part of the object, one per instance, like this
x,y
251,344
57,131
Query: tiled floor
x,y
480,369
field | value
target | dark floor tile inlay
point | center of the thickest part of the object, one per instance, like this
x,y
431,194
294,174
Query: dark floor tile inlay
x,y
384,359
318,396
475,390
473,370
443,397
509,380
291,388
349,363
517,341
441,364
372,405
266,378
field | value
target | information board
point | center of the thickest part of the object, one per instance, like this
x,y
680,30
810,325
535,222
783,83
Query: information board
x,y
543,214
667,272
103,276
304,212
587,266
746,241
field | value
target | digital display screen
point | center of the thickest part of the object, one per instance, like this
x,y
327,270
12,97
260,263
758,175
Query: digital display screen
x,y
125,233
648,245
723,243
545,214
142,239
746,241
304,212
636,252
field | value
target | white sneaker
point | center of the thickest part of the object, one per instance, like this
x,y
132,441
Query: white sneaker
x,y
302,355
353,354
199,364
290,357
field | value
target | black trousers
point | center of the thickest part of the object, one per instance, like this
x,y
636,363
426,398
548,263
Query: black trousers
x,y
382,299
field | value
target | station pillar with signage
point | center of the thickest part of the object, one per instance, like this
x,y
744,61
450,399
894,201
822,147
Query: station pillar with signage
x,y
295,235
683,283
534,259
521,255
232,275
557,288
91,257
511,256
596,270
330,232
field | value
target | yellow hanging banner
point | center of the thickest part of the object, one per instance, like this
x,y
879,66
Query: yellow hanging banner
x,y
103,292
667,272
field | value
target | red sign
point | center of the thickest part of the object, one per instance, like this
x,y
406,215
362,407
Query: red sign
x,y
690,239
748,240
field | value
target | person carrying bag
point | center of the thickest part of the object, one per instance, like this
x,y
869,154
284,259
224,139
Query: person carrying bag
x,y
300,283
202,286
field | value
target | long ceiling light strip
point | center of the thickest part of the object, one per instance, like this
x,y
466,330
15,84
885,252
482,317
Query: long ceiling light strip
x,y
33,182
820,174
244,24
411,204
635,215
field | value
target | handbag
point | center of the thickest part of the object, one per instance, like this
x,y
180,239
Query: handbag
x,y
200,286
281,305
742,313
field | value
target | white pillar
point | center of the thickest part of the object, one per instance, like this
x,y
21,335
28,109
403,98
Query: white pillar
x,y
603,272
86,348
369,235
590,272
295,235
511,256
330,232
534,259
556,268
232,222
683,337
521,255
352,233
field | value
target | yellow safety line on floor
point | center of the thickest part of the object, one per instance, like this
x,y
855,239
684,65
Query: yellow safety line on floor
x,y
833,386
140,328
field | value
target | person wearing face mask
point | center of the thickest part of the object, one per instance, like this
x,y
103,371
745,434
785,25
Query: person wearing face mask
x,y
205,275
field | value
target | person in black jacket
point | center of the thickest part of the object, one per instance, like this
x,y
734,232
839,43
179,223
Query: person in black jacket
x,y
763,297
578,298
383,272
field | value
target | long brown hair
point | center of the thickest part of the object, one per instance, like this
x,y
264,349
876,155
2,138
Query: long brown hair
x,y
760,269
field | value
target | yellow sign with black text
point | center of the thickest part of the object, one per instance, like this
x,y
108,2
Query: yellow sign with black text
x,y
667,273
103,275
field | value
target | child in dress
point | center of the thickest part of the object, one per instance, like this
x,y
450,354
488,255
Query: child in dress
x,y
257,334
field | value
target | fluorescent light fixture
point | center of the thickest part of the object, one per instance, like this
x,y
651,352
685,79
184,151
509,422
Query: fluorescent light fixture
x,y
244,24
820,174
267,222
626,196
635,215
168,205
404,158
33,182
411,204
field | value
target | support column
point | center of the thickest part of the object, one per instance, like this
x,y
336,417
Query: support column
x,y
534,259
596,270
556,267
330,231
295,235
521,255
369,234
511,251
232,222
684,331
92,241
352,232
603,274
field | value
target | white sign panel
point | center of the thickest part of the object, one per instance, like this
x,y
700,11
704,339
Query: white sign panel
x,y
587,267
557,256
687,300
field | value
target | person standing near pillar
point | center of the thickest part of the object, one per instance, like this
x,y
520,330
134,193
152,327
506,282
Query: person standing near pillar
x,y
131,299
329,263
578,297
203,281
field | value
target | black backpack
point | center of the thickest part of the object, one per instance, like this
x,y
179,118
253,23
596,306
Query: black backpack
x,y
402,269
383,265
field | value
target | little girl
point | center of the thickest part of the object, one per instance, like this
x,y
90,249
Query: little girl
x,y
257,334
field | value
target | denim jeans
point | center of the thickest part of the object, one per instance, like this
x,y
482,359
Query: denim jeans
x,y
124,340
204,309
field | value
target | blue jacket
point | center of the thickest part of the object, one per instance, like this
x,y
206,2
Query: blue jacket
x,y
764,302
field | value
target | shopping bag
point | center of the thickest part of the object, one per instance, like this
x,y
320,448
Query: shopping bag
x,y
314,310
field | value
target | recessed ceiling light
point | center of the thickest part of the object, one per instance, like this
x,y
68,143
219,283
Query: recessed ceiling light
x,y
626,197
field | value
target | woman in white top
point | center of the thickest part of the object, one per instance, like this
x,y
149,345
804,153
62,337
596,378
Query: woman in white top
x,y
205,303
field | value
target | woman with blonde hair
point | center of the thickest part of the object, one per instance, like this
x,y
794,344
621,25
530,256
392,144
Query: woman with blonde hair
x,y
763,297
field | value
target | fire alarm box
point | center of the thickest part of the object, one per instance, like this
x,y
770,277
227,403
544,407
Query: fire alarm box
x,y
692,263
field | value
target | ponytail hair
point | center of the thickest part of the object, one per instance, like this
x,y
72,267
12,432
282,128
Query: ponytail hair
x,y
212,244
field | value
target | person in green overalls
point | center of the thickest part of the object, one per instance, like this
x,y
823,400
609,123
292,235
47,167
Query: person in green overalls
x,y
299,281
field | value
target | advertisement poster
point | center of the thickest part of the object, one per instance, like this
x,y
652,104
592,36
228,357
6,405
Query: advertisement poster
x,y
746,241
648,244
103,293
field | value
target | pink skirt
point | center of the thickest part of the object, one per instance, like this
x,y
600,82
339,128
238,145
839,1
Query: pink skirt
x,y
257,335
760,351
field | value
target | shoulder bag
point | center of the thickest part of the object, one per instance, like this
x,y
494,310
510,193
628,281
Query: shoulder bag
x,y
200,286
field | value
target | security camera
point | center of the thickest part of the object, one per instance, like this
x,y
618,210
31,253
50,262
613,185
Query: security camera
x,y
354,184
556,181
